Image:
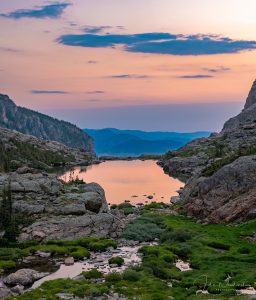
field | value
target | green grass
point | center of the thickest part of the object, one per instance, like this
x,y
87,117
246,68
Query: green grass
x,y
79,249
79,288
214,251
92,274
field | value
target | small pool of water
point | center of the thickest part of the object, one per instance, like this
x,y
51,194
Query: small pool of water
x,y
129,180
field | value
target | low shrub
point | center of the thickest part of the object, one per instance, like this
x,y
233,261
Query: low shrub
x,y
125,205
102,245
28,244
131,275
116,260
150,251
177,235
92,244
53,249
155,205
127,208
94,292
114,206
10,253
80,253
92,274
183,250
218,245
244,250
144,229
169,258
113,277
7,264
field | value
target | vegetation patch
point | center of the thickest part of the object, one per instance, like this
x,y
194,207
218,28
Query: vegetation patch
x,y
126,207
144,229
92,274
157,277
116,260
31,155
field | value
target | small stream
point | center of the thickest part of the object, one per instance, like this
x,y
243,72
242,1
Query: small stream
x,y
98,260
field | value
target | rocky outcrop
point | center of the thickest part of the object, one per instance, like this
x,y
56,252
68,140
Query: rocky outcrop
x,y
219,171
26,150
57,210
228,195
251,99
42,126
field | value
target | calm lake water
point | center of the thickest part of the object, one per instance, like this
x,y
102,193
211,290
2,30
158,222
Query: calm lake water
x,y
129,180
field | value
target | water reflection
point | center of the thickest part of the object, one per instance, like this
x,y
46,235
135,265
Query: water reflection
x,y
129,180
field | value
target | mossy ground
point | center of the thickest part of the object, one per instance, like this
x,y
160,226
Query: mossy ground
x,y
216,252
79,249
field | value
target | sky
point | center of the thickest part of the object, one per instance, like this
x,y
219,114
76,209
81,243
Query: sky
x,y
172,65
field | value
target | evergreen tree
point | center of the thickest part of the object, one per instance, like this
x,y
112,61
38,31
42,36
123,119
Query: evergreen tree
x,y
7,221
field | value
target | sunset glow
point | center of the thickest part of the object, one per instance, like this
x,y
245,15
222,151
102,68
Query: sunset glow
x,y
41,70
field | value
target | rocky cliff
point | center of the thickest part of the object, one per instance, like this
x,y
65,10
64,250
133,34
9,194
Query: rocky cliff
x,y
220,170
42,126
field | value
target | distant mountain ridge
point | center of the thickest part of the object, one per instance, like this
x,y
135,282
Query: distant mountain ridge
x,y
42,126
116,142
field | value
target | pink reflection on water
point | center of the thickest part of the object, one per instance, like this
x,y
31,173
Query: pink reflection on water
x,y
129,180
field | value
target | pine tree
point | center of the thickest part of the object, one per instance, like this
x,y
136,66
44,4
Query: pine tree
x,y
7,221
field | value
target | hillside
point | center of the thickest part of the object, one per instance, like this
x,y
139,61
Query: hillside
x,y
42,126
21,150
111,141
220,171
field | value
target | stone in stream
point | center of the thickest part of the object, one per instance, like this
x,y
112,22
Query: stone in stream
x,y
69,261
43,254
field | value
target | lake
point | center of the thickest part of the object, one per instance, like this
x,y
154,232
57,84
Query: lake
x,y
131,180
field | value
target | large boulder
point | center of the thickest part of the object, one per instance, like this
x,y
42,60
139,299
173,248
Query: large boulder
x,y
72,227
24,277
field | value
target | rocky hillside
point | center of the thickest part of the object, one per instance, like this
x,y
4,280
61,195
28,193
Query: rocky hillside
x,y
220,171
21,150
42,126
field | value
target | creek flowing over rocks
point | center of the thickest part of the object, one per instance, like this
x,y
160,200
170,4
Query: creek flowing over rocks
x,y
99,261
26,279
219,171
